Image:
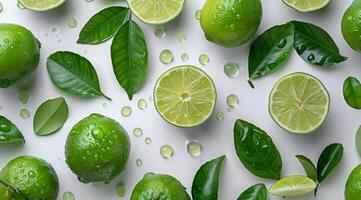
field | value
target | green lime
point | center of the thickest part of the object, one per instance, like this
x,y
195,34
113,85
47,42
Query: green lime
x,y
19,53
159,186
185,96
299,103
293,186
351,25
97,149
231,23
156,12
306,5
41,5
353,184
32,176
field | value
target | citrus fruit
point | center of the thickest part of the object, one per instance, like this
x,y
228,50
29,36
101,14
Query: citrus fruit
x,y
185,96
351,25
41,5
97,149
293,186
299,103
353,185
33,177
156,11
230,23
306,5
19,53
159,186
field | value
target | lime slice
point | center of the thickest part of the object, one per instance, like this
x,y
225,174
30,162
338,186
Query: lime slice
x,y
306,5
293,186
41,5
299,103
156,11
185,96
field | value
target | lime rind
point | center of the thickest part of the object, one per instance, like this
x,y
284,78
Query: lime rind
x,y
37,5
306,5
293,186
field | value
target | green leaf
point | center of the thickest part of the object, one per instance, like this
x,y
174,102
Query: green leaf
x,y
358,140
329,159
206,180
50,116
9,133
103,25
315,45
130,57
352,92
74,74
308,166
270,50
255,192
256,150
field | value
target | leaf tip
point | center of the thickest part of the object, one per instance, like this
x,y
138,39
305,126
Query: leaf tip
x,y
250,83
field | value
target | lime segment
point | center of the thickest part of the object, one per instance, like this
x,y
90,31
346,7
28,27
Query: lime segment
x,y
293,186
299,103
185,96
306,5
41,5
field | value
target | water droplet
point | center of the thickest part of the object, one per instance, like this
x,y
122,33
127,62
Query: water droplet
x,y
300,49
232,100
232,27
311,57
72,23
166,56
68,196
184,57
219,116
31,174
203,59
120,190
23,96
166,151
142,104
5,127
282,43
98,133
194,148
139,162
126,111
148,140
160,32
1,7
197,14
137,132
220,7
20,5
181,37
88,1
24,113
231,69
104,105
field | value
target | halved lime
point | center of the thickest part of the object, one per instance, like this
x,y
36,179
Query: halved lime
x,y
156,11
293,186
306,5
299,103
185,96
41,5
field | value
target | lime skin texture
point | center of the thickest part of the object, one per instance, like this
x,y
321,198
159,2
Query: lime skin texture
x,y
351,25
353,185
32,176
19,53
97,149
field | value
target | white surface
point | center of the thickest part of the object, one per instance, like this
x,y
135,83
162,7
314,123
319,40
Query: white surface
x,y
216,136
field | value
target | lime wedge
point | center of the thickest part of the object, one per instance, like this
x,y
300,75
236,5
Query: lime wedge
x,y
156,11
185,96
293,186
299,103
306,5
41,5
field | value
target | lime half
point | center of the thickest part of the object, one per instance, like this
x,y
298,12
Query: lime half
x,y
306,5
41,5
185,96
293,186
299,103
156,11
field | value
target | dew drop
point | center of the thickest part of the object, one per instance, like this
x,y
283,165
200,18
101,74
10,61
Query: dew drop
x,y
203,59
194,148
197,14
166,151
23,96
105,105
148,140
184,57
68,196
72,23
142,104
166,56
24,113
5,127
98,133
232,100
181,37
160,32
120,190
137,132
55,29
282,43
126,111
20,5
220,7
311,57
139,162
31,174
219,116
231,69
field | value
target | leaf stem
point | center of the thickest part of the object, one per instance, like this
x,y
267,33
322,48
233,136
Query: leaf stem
x,y
250,84
106,97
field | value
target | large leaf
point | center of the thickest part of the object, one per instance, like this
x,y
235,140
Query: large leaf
x,y
358,140
308,166
329,159
130,57
9,133
256,150
255,192
315,45
206,181
74,74
50,116
352,92
270,50
103,25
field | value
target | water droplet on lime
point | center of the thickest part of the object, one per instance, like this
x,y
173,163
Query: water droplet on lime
x,y
98,133
198,14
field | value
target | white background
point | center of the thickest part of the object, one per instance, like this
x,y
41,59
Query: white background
x,y
216,136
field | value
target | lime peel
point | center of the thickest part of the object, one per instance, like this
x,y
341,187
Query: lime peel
x,y
41,5
306,5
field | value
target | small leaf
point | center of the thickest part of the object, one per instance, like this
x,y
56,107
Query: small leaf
x,y
50,116
352,92
103,25
255,192
9,133
329,159
206,180
308,166
256,150
293,186
130,57
358,140
315,45
74,74
270,50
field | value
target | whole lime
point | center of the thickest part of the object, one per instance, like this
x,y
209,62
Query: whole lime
x,y
97,149
353,185
33,177
159,186
351,25
19,53
231,23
